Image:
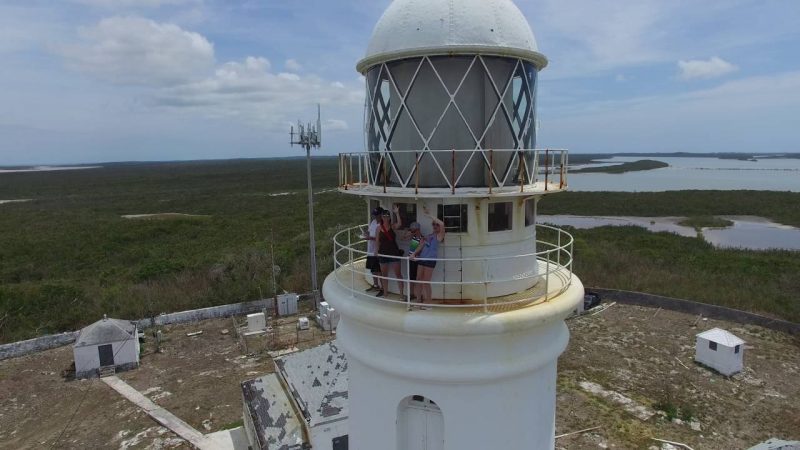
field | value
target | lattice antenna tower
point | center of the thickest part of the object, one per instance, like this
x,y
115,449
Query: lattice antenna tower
x,y
309,136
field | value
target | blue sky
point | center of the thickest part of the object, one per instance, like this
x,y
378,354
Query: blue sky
x,y
118,80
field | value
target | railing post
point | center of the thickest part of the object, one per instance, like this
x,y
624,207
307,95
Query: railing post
x,y
453,172
546,168
491,170
485,285
383,171
408,285
416,173
360,177
547,278
558,255
352,269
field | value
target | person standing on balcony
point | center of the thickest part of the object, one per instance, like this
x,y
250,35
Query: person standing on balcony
x,y
425,256
388,252
372,261
414,239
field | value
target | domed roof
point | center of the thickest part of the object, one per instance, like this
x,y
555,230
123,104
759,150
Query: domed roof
x,y
435,27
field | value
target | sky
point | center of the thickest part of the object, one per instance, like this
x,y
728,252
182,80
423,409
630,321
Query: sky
x,y
143,80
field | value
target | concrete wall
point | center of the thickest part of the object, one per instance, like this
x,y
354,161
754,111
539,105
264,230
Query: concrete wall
x,y
87,358
690,307
213,312
21,348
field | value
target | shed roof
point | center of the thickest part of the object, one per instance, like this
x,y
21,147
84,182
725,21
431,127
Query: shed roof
x,y
273,417
721,336
317,378
105,331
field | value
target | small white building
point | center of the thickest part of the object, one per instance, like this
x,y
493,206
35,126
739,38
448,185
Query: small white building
x,y
720,350
106,343
303,405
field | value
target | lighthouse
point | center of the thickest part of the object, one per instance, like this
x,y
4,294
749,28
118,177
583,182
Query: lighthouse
x,y
450,137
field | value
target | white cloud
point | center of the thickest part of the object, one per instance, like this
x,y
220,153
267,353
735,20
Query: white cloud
x,y
134,50
112,4
711,68
734,116
293,66
250,91
334,125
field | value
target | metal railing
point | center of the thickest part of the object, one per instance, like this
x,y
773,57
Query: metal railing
x,y
548,274
520,170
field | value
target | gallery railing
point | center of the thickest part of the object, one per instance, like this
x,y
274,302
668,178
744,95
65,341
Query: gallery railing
x,y
457,171
548,274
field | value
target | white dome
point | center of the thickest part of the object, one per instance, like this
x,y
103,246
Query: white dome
x,y
434,27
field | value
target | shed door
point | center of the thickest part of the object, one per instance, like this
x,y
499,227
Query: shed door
x,y
424,426
106,353
340,443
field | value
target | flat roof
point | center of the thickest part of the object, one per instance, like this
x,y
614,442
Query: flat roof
x,y
272,414
317,379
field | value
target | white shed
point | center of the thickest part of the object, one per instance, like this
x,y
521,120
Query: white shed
x,y
720,350
107,343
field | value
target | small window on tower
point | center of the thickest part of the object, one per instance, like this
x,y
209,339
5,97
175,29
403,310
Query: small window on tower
x,y
500,216
736,349
530,212
712,345
454,218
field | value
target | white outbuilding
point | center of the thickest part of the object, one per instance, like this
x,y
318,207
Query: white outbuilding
x,y
106,344
720,350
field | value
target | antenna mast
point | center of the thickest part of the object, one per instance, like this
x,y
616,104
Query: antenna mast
x,y
309,136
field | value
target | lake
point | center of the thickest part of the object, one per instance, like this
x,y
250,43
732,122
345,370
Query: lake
x,y
747,232
693,173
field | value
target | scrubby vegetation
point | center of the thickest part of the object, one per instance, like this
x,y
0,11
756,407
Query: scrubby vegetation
x,y
700,222
645,164
68,256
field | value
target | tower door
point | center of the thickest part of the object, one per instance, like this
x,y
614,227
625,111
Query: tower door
x,y
106,354
421,425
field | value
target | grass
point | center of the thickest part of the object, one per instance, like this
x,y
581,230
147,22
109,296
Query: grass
x,y
645,164
700,222
68,256
632,258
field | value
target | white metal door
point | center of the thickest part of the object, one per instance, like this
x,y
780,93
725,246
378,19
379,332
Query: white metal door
x,y
424,426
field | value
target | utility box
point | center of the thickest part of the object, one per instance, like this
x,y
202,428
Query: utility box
x,y
720,350
256,322
328,317
302,323
287,304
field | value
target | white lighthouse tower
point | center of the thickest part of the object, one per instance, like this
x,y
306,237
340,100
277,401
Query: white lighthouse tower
x,y
450,130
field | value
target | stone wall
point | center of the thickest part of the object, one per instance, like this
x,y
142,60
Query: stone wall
x,y
16,349
690,307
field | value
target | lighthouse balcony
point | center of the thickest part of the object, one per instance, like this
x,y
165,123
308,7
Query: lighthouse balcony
x,y
533,275
457,173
